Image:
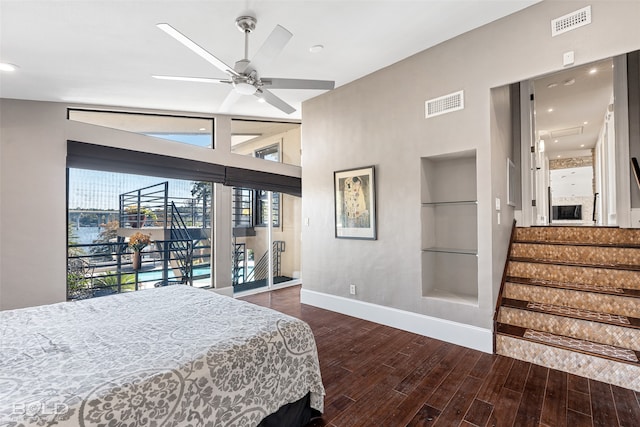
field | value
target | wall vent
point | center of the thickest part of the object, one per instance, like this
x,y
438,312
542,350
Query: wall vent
x,y
560,133
571,21
444,104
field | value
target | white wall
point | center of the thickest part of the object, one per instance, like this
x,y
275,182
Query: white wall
x,y
379,120
33,137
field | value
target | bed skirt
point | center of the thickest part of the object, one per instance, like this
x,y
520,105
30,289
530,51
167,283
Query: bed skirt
x,y
296,414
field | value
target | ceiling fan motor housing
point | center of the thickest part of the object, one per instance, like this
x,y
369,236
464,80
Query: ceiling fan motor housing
x,y
246,24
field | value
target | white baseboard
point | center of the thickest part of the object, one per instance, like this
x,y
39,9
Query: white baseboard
x,y
445,330
282,285
226,291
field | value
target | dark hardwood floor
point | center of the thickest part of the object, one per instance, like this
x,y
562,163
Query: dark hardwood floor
x,y
375,375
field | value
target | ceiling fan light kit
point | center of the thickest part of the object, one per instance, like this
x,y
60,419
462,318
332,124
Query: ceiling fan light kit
x,y
244,76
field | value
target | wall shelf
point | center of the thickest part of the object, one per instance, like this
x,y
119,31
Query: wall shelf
x,y
449,213
457,251
451,203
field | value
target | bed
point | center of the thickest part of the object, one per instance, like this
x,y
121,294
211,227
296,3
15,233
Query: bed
x,y
171,356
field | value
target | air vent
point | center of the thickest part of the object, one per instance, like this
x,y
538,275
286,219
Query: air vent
x,y
566,132
444,104
571,21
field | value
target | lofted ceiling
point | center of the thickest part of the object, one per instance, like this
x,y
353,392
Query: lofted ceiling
x,y
105,52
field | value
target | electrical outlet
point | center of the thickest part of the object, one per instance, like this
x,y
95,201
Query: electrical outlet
x,y
352,289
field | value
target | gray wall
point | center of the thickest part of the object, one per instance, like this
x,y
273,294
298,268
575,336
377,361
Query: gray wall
x,y
379,120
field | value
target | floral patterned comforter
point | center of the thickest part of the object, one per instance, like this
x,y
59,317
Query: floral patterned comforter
x,y
173,356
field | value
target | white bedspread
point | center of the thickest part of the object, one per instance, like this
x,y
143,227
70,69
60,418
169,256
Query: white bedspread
x,y
173,356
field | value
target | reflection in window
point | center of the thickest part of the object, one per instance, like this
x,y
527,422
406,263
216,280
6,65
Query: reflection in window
x,y
273,141
187,130
269,153
262,206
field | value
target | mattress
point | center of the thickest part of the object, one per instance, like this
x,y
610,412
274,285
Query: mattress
x,y
170,356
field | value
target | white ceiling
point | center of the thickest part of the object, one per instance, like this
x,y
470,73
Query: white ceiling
x,y
105,51
578,98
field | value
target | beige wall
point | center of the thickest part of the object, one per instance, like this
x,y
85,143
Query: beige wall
x,y
379,120
33,145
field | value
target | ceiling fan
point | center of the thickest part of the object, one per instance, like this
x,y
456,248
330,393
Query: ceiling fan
x,y
244,75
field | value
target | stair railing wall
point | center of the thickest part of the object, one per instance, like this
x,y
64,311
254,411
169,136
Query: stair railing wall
x,y
181,245
502,284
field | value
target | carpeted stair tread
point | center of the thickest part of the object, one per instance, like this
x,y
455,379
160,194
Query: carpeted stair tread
x,y
610,290
572,312
574,344
577,243
576,264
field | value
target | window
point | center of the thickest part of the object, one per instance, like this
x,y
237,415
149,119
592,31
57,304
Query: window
x,y
261,208
187,130
104,211
271,141
271,152
250,208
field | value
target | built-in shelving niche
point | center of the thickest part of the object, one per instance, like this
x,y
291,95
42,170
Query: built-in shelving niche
x,y
450,227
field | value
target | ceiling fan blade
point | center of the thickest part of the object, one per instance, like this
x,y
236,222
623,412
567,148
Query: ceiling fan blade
x,y
272,83
197,49
231,99
193,79
271,47
275,101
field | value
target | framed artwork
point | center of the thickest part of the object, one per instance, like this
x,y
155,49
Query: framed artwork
x,y
355,203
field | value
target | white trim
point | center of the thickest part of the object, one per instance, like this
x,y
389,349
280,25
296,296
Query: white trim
x,y
275,287
226,291
445,330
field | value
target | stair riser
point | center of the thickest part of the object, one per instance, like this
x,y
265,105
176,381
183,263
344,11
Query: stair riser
x,y
579,254
577,328
597,368
587,275
590,235
585,300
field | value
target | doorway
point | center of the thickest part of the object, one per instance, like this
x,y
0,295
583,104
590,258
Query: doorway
x,y
574,150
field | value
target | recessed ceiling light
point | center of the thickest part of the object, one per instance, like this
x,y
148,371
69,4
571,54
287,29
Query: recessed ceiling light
x,y
316,48
202,129
585,123
581,145
558,156
551,85
550,110
5,66
555,140
569,82
593,71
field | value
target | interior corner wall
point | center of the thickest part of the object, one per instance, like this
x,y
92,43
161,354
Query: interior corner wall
x,y
380,120
501,149
633,87
33,223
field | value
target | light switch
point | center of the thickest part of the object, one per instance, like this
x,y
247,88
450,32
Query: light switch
x,y
306,221
497,203
568,58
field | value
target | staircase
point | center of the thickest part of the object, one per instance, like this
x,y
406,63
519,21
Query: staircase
x,y
571,301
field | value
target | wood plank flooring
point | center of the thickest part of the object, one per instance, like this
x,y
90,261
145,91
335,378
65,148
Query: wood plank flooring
x,y
375,375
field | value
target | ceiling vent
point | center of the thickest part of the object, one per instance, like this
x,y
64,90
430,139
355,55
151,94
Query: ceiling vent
x,y
566,132
444,104
571,21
